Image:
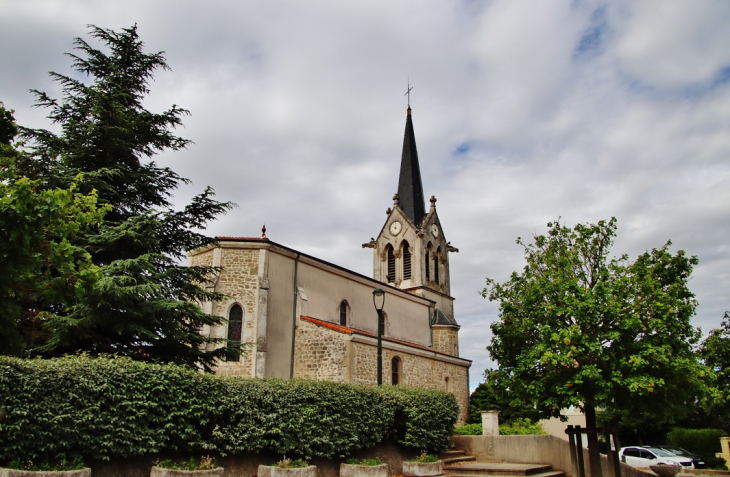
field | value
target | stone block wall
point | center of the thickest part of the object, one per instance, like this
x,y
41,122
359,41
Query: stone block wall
x,y
239,280
325,354
446,339
319,353
416,371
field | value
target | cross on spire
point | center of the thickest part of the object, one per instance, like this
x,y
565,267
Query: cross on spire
x,y
408,93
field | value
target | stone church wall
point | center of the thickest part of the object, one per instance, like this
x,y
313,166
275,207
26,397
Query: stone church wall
x,y
324,354
239,281
319,353
446,339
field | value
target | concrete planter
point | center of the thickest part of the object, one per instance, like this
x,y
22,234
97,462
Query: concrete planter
x,y
271,471
666,470
85,472
351,470
423,469
162,472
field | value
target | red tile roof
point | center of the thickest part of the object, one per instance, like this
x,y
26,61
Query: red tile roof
x,y
349,331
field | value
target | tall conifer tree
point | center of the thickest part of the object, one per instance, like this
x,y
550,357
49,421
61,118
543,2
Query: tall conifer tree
x,y
145,304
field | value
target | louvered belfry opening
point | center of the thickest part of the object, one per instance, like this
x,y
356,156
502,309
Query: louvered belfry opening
x,y
391,265
436,266
428,263
406,261
235,325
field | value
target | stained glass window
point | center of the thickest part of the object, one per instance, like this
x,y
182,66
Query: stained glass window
x,y
235,324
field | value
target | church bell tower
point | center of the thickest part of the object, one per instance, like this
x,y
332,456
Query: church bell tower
x,y
411,251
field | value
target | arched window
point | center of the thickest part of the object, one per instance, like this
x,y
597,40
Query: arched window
x,y
406,261
390,278
395,370
343,313
383,322
436,266
235,324
446,383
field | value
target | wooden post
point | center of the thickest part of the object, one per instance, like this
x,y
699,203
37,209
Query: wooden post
x,y
573,455
616,461
579,448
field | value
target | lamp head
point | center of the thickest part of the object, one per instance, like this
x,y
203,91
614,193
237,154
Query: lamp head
x,y
379,298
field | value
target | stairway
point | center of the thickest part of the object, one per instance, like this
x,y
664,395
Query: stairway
x,y
458,464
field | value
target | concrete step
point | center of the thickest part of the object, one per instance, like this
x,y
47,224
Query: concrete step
x,y
498,468
456,459
552,473
452,453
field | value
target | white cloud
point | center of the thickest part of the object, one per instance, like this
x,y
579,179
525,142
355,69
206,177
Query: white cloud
x,y
580,110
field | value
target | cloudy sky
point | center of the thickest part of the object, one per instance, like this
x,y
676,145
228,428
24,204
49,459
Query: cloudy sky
x,y
524,112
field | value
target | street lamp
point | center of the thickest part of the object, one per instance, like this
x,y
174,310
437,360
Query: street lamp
x,y
379,302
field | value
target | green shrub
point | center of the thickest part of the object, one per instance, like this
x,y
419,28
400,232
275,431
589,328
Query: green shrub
x,y
704,442
366,462
101,408
424,418
59,463
285,463
425,457
469,430
206,463
521,427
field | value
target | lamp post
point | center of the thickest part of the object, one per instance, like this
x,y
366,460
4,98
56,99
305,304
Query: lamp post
x,y
379,298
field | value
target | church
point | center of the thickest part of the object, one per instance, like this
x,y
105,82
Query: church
x,y
308,318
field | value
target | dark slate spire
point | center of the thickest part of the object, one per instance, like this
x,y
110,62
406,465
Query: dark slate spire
x,y
410,189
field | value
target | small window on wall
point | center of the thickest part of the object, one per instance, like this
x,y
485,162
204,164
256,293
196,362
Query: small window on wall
x,y
343,313
235,325
446,384
395,369
428,263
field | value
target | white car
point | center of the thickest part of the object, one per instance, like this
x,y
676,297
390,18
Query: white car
x,y
646,456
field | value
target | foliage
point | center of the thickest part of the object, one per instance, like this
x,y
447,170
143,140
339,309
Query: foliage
x,y
425,418
144,305
521,427
715,351
703,442
425,457
518,427
368,462
579,329
489,396
473,429
61,463
286,463
206,463
38,261
134,408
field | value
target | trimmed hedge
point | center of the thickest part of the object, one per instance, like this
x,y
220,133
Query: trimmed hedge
x,y
704,442
100,408
517,427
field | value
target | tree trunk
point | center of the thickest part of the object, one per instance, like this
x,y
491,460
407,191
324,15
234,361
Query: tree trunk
x,y
594,457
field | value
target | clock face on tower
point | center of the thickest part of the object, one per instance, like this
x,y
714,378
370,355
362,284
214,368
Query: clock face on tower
x,y
434,230
395,228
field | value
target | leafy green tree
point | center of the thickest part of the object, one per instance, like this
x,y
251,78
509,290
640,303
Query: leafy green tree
x,y
38,262
145,304
489,396
579,329
715,351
